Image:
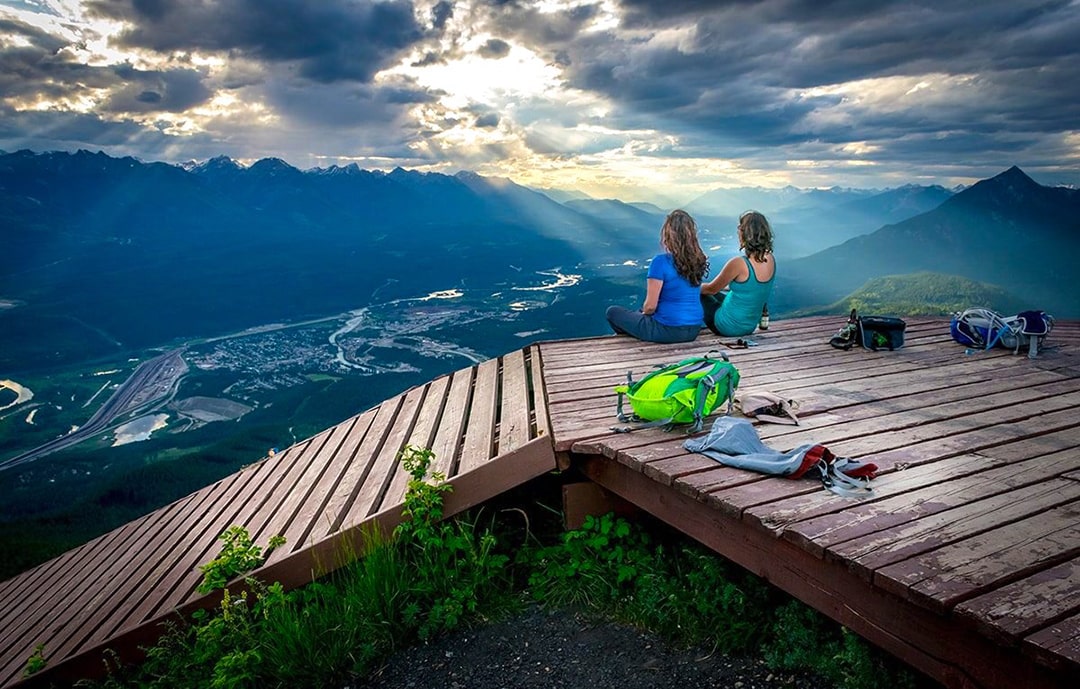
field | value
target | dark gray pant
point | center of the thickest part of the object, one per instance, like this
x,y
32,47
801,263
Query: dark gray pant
x,y
711,304
643,327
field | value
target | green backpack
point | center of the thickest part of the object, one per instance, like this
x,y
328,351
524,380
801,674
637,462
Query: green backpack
x,y
685,392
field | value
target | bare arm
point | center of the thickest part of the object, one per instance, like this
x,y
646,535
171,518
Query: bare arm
x,y
652,295
734,268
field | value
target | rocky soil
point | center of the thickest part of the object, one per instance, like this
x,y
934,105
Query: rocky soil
x,y
537,649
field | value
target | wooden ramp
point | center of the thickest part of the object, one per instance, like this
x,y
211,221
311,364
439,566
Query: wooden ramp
x,y
964,563
487,425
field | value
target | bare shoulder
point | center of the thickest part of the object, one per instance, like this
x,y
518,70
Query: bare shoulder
x,y
735,269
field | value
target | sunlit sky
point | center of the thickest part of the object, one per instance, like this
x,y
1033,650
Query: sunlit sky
x,y
636,99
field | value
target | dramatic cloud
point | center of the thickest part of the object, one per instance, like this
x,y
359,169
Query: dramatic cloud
x,y
638,98
329,40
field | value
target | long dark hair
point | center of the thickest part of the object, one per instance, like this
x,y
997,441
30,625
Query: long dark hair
x,y
679,236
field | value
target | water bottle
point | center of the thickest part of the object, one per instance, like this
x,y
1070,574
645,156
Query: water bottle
x,y
764,324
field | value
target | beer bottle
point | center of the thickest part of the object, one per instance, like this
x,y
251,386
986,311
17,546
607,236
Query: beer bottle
x,y
764,324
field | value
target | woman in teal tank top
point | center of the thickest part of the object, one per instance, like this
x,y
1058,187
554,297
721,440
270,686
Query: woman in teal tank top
x,y
733,300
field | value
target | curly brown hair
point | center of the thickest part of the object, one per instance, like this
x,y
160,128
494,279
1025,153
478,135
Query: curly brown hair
x,y
679,236
755,235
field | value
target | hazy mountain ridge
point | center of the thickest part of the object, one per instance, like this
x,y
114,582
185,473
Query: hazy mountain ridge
x,y
809,220
1008,231
919,294
140,253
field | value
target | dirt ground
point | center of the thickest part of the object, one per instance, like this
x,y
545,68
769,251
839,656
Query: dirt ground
x,y
562,649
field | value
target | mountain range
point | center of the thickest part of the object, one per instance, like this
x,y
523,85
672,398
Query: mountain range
x,y
105,253
1007,231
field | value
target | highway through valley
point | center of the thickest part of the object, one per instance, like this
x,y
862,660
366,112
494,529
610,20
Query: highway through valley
x,y
151,381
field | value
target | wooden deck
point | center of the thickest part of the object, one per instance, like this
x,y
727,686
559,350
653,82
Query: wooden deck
x,y
965,562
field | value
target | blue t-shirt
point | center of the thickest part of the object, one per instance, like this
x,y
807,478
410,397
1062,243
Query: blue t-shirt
x,y
679,303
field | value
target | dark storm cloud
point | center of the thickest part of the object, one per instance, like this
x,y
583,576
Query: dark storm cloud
x,y
441,13
52,130
488,120
429,58
157,91
740,70
344,106
540,29
43,69
329,40
494,48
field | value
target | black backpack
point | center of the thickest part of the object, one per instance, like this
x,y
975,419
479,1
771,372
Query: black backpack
x,y
870,332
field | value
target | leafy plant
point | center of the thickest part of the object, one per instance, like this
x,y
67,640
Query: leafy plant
x,y
593,565
238,555
454,566
36,662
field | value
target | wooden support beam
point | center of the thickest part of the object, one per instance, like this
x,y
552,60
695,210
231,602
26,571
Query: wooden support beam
x,y
587,499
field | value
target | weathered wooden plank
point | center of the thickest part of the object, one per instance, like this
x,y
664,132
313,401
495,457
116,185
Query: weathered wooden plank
x,y
779,514
345,493
107,595
934,384
904,448
449,435
1058,646
261,515
938,529
115,599
282,508
891,451
834,411
422,436
314,509
385,460
802,368
858,521
807,364
515,425
848,426
538,392
779,350
115,566
34,600
944,419
198,536
490,479
948,575
928,641
22,589
480,432
250,513
944,399
1015,610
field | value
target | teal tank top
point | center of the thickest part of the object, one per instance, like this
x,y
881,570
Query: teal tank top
x,y
740,312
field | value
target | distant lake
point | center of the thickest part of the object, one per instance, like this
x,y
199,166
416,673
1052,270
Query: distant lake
x,y
140,429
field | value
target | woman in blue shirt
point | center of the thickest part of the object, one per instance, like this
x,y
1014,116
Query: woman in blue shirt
x,y
733,300
672,310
